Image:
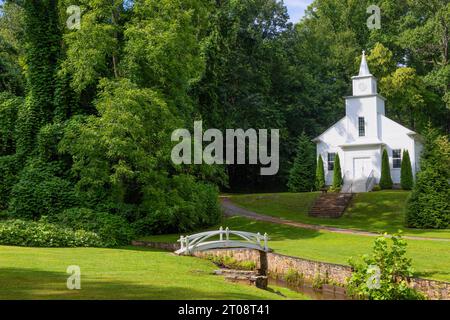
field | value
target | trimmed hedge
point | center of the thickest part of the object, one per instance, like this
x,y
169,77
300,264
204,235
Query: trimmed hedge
x,y
385,180
320,173
44,234
406,175
337,173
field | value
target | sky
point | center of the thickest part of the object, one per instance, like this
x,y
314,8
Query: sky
x,y
297,8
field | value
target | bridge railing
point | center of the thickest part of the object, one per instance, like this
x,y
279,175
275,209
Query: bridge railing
x,y
199,241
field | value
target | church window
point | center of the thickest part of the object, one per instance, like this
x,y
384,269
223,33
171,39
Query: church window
x,y
361,126
397,158
331,157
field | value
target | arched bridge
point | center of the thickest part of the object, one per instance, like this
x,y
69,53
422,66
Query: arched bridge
x,y
205,241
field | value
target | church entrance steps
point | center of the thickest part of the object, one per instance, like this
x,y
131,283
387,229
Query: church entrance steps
x,y
331,205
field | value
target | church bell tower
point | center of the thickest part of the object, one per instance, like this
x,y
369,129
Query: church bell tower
x,y
364,83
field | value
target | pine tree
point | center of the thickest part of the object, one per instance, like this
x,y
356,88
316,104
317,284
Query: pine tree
x,y
386,180
301,176
337,174
406,175
320,174
429,204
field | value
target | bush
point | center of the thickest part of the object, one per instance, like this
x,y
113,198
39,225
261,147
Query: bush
x,y
301,176
385,180
186,205
320,174
294,278
231,263
337,174
383,275
40,192
376,188
43,234
113,230
406,175
429,203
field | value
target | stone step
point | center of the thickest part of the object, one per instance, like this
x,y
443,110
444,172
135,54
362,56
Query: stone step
x,y
330,205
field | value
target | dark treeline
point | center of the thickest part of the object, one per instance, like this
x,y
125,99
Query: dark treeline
x,y
86,115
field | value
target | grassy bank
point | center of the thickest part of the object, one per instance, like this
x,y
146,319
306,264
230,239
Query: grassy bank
x,y
127,273
381,211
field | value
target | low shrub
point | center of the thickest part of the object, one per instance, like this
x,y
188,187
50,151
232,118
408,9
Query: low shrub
x,y
44,234
113,230
231,263
294,278
383,274
318,281
376,188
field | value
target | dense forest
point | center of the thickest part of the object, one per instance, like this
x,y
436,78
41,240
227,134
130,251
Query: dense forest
x,y
86,114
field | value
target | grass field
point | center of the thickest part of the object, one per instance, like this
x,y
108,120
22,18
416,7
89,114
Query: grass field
x,y
431,259
128,273
381,211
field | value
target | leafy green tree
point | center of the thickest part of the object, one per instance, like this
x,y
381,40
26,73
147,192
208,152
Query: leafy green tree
x,y
406,175
385,180
320,173
429,204
9,108
425,39
384,274
301,178
42,51
244,82
11,48
122,159
337,173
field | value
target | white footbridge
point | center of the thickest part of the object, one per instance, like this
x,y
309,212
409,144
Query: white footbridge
x,y
224,239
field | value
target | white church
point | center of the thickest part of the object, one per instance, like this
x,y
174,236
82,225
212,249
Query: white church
x,y
361,136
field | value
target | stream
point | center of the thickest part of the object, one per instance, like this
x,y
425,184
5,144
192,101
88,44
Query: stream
x,y
328,292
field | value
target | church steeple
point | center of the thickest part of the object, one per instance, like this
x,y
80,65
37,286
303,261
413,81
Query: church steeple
x,y
364,68
364,83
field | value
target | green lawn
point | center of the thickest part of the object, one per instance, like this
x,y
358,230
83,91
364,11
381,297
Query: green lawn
x,y
431,259
128,273
381,211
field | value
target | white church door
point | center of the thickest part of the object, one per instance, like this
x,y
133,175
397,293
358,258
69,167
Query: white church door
x,y
361,168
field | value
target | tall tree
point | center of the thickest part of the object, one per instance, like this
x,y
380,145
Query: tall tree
x,y
385,180
301,177
320,173
337,173
43,44
406,175
429,204
11,48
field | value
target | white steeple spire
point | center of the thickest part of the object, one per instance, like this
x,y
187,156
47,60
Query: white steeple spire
x,y
364,68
